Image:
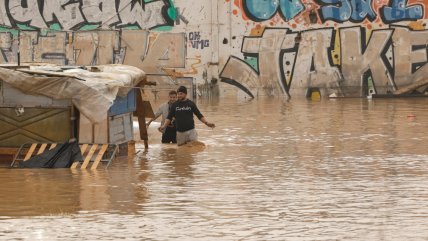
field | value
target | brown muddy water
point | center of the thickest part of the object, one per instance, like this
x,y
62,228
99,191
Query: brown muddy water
x,y
349,169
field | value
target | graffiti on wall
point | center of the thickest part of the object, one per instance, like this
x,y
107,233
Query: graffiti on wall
x,y
343,47
152,52
73,15
336,61
335,10
196,42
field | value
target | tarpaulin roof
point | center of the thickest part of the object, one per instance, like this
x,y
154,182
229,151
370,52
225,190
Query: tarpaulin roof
x,y
91,91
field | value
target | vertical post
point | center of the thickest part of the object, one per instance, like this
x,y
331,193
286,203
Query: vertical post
x,y
142,118
214,43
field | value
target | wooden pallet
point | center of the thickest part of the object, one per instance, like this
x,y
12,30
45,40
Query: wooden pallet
x,y
93,154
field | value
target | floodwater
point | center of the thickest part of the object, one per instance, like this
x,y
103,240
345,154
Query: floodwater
x,y
344,169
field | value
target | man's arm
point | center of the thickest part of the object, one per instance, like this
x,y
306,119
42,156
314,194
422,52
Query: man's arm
x,y
203,120
163,127
198,114
157,114
171,115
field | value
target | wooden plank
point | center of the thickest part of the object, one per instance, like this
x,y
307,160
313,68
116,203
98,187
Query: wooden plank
x,y
74,165
89,156
82,150
30,151
93,133
144,110
85,129
99,157
411,87
42,149
52,146
8,151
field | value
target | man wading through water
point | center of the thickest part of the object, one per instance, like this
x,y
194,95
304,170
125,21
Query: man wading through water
x,y
182,110
168,134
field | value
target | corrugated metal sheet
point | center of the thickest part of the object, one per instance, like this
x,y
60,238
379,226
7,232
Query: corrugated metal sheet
x,y
124,105
34,125
120,128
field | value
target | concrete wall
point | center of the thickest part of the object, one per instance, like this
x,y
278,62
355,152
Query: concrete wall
x,y
230,47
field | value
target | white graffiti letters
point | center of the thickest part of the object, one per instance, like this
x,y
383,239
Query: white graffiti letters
x,y
356,59
26,13
387,61
68,15
71,15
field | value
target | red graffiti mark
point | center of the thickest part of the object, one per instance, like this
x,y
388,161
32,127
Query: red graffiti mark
x,y
235,12
238,3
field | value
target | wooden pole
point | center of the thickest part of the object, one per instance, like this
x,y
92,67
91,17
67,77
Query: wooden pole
x,y
411,87
140,113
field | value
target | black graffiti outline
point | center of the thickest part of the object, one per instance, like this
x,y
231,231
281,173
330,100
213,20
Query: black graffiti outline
x,y
415,66
388,65
382,9
350,19
277,11
234,82
116,25
283,81
364,44
327,50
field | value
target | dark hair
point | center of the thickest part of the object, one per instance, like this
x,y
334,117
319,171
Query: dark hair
x,y
182,89
173,92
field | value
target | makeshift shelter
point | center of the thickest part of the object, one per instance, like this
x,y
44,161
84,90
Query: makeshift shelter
x,y
47,103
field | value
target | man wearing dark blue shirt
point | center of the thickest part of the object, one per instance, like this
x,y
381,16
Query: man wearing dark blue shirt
x,y
183,110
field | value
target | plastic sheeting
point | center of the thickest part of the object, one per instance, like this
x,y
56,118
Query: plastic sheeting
x,y
62,156
92,92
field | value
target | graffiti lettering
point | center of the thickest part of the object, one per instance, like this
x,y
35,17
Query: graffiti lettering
x,y
411,64
67,14
144,15
344,10
71,15
269,50
7,47
358,58
399,11
96,47
196,42
26,12
313,68
4,19
166,52
264,10
100,11
358,10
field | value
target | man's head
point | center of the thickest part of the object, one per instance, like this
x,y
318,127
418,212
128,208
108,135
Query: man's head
x,y
172,96
182,92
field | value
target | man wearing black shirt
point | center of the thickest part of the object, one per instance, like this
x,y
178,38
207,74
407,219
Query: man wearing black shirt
x,y
183,110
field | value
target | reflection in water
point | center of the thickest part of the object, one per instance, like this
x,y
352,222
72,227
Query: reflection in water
x,y
348,169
